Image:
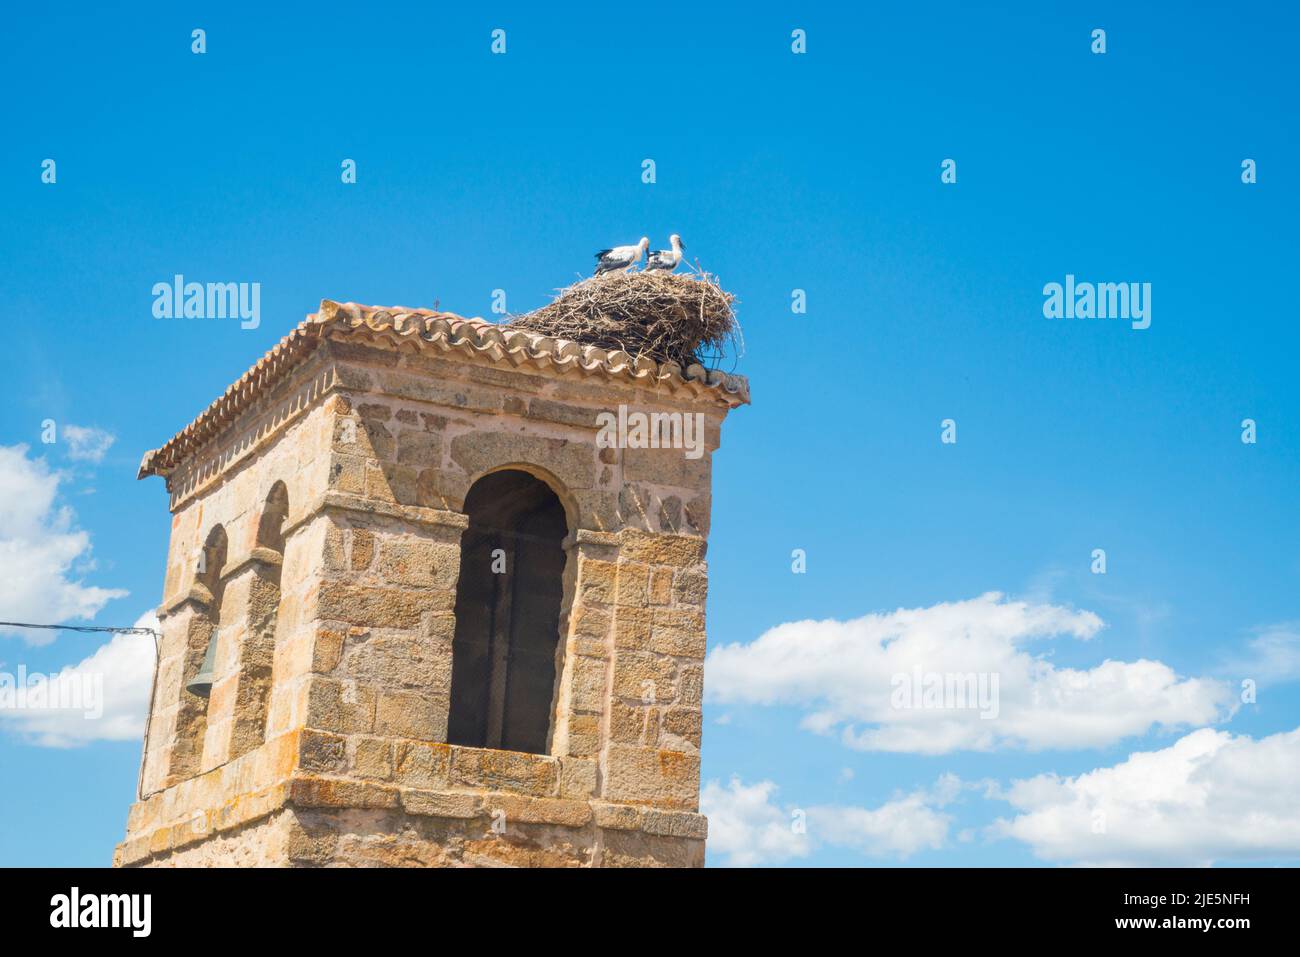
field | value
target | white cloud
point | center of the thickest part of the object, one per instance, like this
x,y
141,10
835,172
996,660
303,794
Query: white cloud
x,y
86,443
746,827
846,678
113,687
894,831
749,829
1272,657
40,549
1211,797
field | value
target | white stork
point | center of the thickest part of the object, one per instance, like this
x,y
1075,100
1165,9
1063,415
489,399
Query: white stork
x,y
666,259
621,257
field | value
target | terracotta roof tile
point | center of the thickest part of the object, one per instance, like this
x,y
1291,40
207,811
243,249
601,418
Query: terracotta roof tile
x,y
440,332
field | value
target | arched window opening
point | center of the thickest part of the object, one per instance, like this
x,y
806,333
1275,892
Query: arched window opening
x,y
200,656
270,528
212,559
507,614
257,653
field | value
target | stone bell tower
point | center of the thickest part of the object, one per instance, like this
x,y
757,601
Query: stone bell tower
x,y
418,612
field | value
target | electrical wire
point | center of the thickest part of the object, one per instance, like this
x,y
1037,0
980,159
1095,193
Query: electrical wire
x,y
83,628
153,685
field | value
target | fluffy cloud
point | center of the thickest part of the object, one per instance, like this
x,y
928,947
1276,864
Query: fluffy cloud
x,y
1211,797
87,444
40,550
749,829
897,681
109,688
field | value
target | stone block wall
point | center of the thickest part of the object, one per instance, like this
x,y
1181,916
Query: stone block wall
x,y
347,760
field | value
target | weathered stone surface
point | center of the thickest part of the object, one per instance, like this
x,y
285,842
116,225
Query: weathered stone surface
x,y
589,684
339,706
584,734
675,824
442,803
683,723
323,741
310,841
401,660
573,463
578,778
661,586
321,752
348,473
632,628
596,581
666,467
676,550
633,724
691,588
639,849
420,764
590,621
419,448
420,564
644,677
310,791
327,650
411,714
690,686
424,389
363,605
363,548
631,585
505,771
624,817
529,810
643,775
372,758
678,632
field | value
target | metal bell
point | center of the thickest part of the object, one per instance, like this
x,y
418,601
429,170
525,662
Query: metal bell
x,y
201,683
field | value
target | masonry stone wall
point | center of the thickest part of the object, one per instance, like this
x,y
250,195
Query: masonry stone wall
x,y
324,741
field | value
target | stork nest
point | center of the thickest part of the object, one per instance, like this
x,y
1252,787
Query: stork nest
x,y
682,318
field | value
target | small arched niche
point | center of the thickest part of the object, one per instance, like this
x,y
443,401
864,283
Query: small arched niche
x,y
199,659
508,601
270,526
256,653
211,563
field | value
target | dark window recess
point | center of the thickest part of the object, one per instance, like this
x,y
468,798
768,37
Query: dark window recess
x,y
507,622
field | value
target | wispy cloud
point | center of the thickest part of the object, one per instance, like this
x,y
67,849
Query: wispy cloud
x,y
1271,657
748,828
86,443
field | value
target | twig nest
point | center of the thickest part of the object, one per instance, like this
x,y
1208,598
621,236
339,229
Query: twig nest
x,y
668,317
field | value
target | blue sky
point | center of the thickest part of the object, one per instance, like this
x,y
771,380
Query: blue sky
x,y
818,172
